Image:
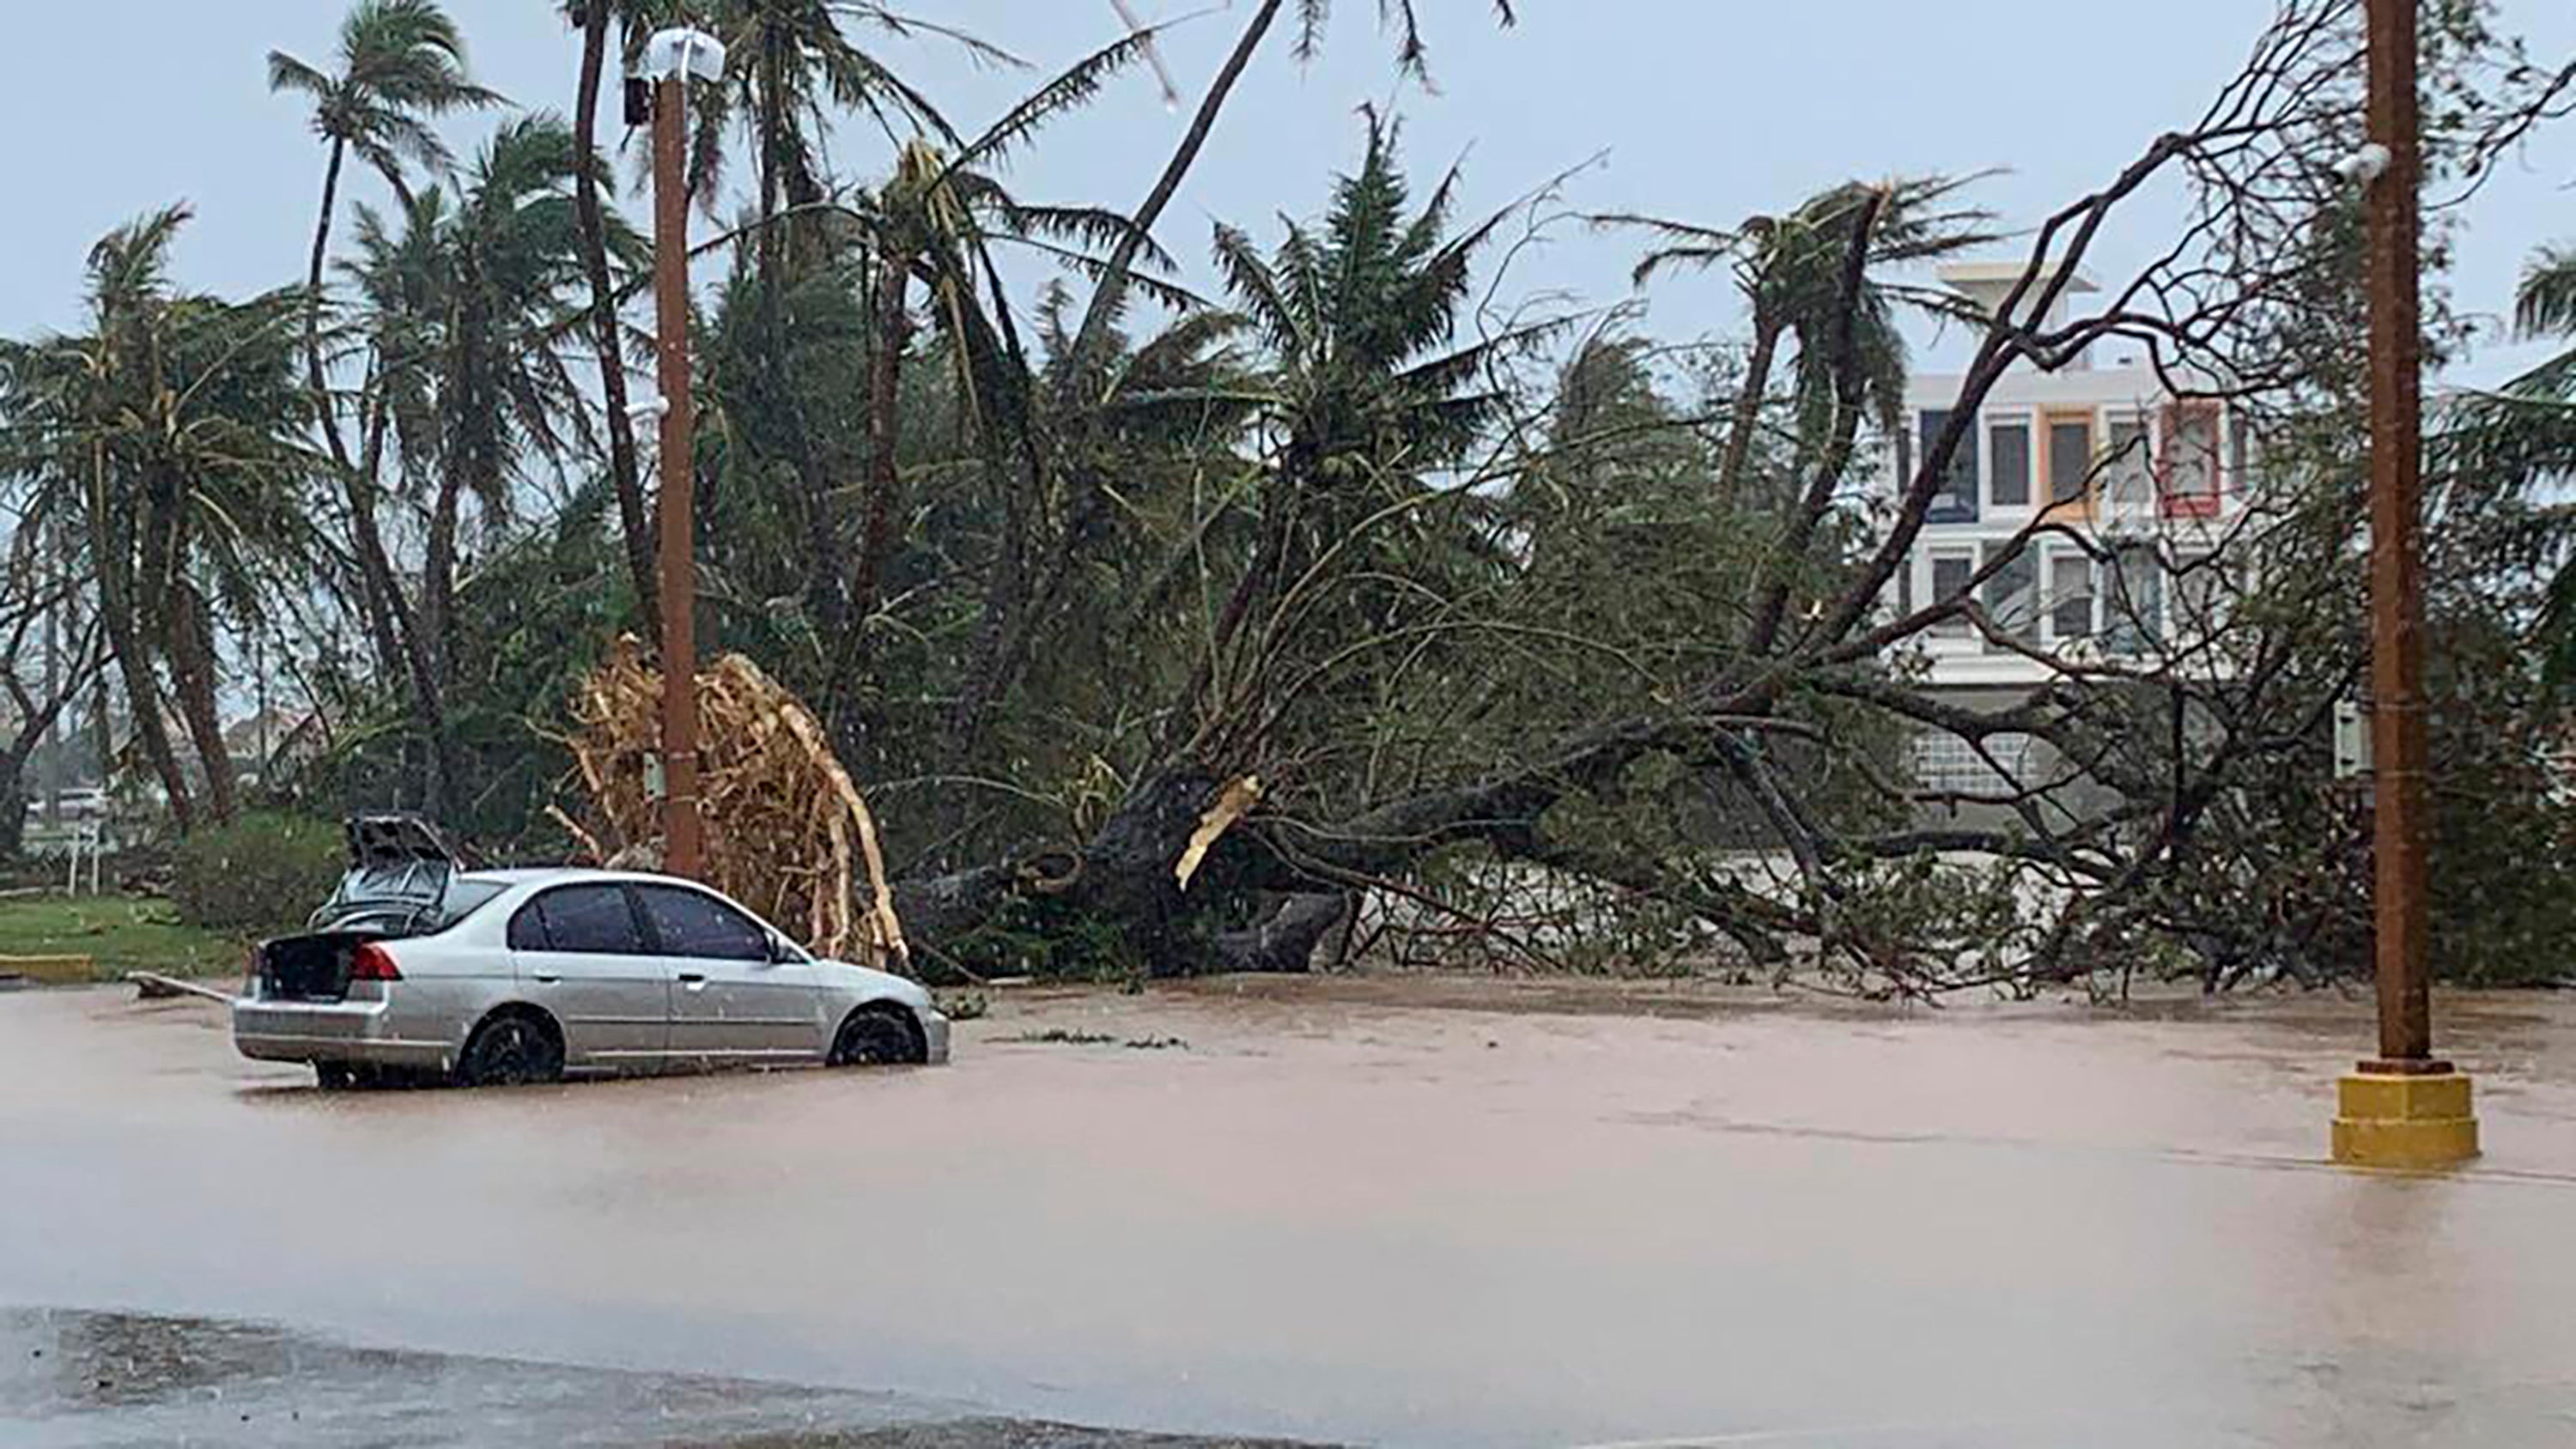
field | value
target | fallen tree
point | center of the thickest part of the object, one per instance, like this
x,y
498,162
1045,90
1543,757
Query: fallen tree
x,y
1381,643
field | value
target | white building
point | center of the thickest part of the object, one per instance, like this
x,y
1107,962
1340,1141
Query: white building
x,y
2111,496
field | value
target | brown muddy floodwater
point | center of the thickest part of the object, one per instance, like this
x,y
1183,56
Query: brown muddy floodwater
x,y
1352,1211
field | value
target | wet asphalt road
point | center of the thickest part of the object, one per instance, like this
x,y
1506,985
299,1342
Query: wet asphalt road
x,y
1341,1211
77,1378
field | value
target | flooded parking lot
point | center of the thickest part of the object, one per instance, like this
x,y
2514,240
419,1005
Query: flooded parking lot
x,y
1332,1210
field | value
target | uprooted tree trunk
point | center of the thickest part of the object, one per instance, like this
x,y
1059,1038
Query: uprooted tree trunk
x,y
1246,908
786,829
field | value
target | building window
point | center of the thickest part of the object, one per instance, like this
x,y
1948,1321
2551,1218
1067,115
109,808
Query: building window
x,y
1956,502
2070,458
2134,609
2012,593
2191,472
2070,595
2128,474
1947,764
1950,575
2008,446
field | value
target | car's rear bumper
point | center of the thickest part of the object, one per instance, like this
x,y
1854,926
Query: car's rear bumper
x,y
934,1037
359,1033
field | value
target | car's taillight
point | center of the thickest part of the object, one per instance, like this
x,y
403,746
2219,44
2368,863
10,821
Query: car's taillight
x,y
373,963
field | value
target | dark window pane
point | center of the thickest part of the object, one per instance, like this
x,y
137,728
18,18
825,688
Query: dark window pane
x,y
688,923
2012,595
528,928
590,918
2191,456
1950,580
2070,460
2011,443
2134,621
2070,595
1957,500
2128,474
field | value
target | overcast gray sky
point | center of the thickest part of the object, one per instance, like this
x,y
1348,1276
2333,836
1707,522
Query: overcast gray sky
x,y
1706,109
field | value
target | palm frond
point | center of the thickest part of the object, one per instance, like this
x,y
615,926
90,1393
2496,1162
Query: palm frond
x,y
1077,85
2545,303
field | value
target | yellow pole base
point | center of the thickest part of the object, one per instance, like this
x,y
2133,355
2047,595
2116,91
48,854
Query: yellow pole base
x,y
2396,1119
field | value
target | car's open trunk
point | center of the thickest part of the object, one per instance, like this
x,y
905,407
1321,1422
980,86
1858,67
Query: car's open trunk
x,y
397,885
310,968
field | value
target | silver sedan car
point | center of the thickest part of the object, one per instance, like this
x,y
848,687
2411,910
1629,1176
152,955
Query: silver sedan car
x,y
511,976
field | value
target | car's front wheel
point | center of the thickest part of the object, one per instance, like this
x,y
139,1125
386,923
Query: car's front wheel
x,y
510,1049
879,1034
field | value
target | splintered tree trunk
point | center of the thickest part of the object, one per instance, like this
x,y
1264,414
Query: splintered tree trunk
x,y
1252,906
1245,909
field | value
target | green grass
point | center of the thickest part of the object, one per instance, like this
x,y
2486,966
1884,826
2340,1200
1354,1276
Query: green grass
x,y
118,933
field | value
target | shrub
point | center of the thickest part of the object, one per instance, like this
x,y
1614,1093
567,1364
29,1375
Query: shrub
x,y
260,875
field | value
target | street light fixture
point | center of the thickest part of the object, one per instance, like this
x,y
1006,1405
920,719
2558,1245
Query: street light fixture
x,y
670,58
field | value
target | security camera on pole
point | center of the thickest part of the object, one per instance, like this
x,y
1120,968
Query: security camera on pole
x,y
671,57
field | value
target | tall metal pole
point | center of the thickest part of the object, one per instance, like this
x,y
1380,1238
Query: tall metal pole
x,y
2396,564
49,544
678,579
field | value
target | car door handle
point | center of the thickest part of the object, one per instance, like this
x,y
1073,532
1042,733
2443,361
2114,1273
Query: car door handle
x,y
693,980
547,978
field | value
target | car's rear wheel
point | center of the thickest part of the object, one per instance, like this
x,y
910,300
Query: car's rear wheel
x,y
876,1035
334,1076
510,1049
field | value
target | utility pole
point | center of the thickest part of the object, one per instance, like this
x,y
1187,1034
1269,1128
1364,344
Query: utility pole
x,y
49,547
2396,557
671,57
2404,1108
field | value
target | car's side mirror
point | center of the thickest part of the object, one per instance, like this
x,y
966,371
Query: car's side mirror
x,y
781,950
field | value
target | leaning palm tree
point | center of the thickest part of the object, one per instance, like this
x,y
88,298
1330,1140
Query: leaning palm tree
x,y
169,430
471,392
934,223
401,64
1790,270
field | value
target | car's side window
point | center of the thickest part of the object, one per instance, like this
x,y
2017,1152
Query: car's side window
x,y
689,923
528,928
594,919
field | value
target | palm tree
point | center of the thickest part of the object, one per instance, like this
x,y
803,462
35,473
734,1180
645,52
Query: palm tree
x,y
401,64
625,472
470,383
935,221
169,430
1790,271
1370,395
